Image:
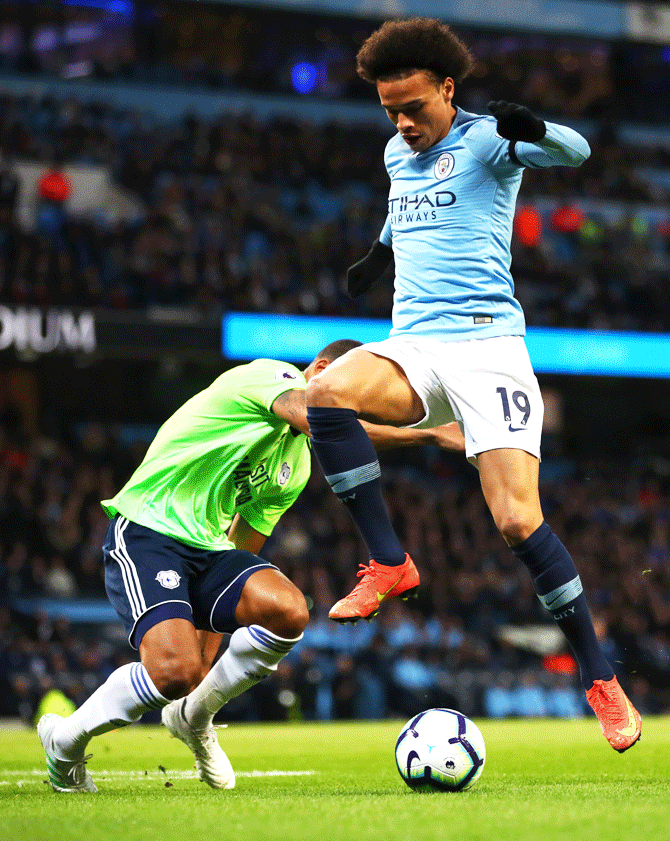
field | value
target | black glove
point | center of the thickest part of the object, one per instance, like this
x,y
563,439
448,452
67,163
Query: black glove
x,y
363,274
516,122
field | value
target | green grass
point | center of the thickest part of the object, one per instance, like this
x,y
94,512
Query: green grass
x,y
544,780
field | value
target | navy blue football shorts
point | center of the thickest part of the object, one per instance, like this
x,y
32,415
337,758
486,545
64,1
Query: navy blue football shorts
x,y
150,577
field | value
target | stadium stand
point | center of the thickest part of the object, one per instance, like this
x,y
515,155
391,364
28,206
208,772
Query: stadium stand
x,y
203,214
452,644
242,214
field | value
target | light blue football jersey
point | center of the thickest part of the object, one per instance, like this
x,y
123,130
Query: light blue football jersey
x,y
450,215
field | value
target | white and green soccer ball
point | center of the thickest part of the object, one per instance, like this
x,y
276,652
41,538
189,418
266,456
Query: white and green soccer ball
x,y
440,749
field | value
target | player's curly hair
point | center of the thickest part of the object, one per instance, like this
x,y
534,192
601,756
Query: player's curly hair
x,y
400,47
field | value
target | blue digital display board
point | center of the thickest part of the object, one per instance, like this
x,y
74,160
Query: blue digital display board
x,y
296,338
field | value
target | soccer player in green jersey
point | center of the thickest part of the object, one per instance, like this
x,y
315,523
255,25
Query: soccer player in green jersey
x,y
182,565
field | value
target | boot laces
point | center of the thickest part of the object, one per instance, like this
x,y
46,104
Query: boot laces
x,y
608,703
77,770
365,569
203,741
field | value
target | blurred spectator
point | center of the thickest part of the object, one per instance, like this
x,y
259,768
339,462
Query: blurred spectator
x,y
563,699
9,191
345,687
498,698
58,580
529,697
53,191
412,683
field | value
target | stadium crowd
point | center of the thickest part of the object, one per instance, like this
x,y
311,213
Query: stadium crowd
x,y
453,646
245,215
233,48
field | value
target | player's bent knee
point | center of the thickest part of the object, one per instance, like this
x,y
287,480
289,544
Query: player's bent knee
x,y
515,525
295,616
174,676
285,615
282,610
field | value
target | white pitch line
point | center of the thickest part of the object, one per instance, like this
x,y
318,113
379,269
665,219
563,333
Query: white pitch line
x,y
154,774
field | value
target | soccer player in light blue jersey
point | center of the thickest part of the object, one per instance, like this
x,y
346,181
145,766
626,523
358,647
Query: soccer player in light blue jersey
x,y
456,348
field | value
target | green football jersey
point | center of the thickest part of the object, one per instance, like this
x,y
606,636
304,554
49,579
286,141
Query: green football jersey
x,y
223,452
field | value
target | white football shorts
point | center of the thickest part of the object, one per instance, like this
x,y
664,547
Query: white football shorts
x,y
487,385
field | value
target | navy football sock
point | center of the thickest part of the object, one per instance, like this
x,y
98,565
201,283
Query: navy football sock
x,y
350,465
559,588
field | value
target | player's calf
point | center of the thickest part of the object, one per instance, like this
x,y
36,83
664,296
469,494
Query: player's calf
x,y
252,654
123,698
272,613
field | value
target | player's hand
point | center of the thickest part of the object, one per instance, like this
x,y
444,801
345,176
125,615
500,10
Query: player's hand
x,y
363,274
449,437
516,122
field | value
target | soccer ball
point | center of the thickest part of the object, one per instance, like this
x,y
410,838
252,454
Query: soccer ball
x,y
440,749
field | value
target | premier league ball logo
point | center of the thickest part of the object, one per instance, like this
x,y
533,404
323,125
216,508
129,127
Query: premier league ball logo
x,y
444,165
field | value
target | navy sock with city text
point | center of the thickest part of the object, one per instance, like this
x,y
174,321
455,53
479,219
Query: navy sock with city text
x,y
559,588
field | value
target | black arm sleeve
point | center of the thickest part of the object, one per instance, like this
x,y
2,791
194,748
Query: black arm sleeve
x,y
363,274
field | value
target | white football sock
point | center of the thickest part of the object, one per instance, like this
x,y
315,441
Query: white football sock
x,y
252,654
123,698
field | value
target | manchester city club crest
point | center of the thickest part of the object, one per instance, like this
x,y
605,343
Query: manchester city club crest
x,y
444,165
284,473
168,578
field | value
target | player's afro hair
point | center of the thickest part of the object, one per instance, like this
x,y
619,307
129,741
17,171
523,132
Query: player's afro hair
x,y
399,47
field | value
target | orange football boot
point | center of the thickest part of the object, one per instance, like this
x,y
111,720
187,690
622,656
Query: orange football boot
x,y
619,720
378,584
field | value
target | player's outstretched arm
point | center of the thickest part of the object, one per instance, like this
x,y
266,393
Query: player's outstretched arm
x,y
446,437
534,142
290,406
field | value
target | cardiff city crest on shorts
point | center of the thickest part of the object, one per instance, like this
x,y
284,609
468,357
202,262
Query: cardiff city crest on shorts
x,y
444,165
168,578
284,473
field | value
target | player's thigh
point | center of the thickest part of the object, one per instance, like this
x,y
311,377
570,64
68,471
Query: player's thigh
x,y
216,591
375,387
495,394
146,577
510,483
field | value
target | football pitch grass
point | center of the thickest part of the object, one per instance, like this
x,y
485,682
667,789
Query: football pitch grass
x,y
337,781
